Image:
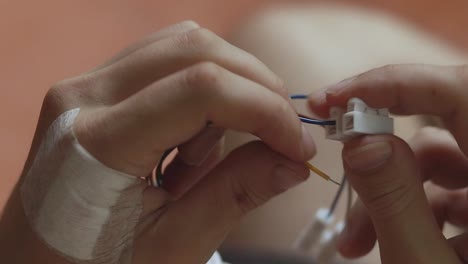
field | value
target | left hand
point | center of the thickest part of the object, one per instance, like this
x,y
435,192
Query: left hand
x,y
160,93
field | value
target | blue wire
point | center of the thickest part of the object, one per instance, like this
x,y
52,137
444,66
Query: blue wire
x,y
298,96
310,120
317,122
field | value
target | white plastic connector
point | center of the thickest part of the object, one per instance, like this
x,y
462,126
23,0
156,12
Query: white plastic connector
x,y
328,241
359,119
335,132
313,231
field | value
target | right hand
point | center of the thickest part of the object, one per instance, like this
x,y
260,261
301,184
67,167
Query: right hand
x,y
388,174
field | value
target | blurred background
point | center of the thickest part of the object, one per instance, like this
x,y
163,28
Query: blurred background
x,y
46,41
42,42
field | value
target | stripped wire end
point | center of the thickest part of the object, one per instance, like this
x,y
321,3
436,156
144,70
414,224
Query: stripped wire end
x,y
320,173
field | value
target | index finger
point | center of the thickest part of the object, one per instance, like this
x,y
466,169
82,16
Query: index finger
x,y
407,90
171,111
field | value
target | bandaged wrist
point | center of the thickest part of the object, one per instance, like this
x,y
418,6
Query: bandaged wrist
x,y
82,209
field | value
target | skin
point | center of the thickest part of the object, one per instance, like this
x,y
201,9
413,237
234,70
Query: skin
x,y
394,207
159,93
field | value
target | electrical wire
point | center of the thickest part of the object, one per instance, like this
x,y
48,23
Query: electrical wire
x,y
298,96
316,230
320,173
308,120
344,181
337,197
317,122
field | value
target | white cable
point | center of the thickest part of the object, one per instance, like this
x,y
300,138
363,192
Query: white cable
x,y
328,242
310,235
216,259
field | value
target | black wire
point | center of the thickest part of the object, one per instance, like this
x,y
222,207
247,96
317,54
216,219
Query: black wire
x,y
309,120
317,122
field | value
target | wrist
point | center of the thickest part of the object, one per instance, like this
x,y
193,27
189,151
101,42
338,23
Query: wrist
x,y
18,242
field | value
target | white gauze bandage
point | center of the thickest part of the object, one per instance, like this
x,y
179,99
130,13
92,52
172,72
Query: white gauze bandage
x,y
79,207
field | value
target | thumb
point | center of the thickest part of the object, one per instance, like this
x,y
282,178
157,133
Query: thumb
x,y
194,226
383,171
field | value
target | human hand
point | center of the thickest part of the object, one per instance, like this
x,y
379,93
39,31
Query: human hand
x,y
161,93
388,174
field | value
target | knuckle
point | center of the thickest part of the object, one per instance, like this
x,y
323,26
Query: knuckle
x,y
244,197
55,96
243,188
283,107
385,201
457,97
282,110
72,92
205,77
190,24
201,38
423,142
269,116
266,117
385,74
282,89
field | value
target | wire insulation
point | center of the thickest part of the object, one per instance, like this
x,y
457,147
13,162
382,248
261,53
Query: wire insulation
x,y
308,120
320,173
298,96
317,122
337,197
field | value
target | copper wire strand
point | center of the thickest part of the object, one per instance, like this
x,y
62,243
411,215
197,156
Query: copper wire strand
x,y
320,173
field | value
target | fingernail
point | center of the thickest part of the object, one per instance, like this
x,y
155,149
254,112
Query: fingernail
x,y
308,145
336,88
285,177
317,98
368,157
